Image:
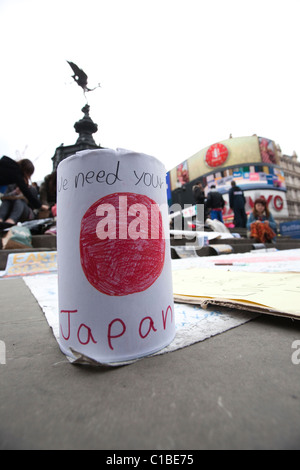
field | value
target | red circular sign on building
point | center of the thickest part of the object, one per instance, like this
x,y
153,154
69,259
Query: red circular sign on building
x,y
216,155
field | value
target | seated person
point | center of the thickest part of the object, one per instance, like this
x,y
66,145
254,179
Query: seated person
x,y
14,207
48,195
261,224
19,174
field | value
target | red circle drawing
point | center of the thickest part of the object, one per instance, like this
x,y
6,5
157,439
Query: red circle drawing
x,y
216,155
122,244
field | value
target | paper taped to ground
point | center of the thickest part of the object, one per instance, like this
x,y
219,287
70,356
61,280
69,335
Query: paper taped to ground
x,y
193,324
274,293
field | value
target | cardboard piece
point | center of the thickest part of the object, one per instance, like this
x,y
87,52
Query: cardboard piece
x,y
114,264
271,293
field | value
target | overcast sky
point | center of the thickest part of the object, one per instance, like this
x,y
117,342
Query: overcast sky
x,y
176,75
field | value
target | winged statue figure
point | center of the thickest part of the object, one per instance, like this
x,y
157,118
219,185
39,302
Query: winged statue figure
x,y
81,78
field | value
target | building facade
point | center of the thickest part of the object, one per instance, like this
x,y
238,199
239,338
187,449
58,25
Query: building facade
x,y
258,168
291,167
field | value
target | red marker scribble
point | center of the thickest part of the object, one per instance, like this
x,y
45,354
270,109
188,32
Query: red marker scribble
x,y
122,253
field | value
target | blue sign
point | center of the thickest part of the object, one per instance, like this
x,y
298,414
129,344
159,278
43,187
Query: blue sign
x,y
290,229
168,182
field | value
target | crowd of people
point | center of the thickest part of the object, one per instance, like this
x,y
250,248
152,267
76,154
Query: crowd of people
x,y
21,199
260,224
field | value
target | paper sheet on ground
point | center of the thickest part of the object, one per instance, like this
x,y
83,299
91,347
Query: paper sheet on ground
x,y
276,293
255,261
193,324
28,264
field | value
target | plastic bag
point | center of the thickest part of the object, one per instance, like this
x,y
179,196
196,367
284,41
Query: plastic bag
x,y
17,237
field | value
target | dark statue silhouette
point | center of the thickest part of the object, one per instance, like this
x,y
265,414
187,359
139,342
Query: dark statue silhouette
x,y
81,78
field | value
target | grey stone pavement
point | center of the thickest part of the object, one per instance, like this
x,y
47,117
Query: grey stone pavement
x,y
237,390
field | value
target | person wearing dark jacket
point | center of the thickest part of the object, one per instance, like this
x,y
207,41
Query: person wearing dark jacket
x,y
200,198
215,203
237,203
18,173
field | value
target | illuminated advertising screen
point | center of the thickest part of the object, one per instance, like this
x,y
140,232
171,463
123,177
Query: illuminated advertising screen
x,y
252,162
247,177
181,175
268,151
234,153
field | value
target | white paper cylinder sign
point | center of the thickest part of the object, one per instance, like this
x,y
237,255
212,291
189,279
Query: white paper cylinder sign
x,y
114,264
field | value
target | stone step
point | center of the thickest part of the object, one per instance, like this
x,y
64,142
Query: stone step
x,y
241,241
44,241
227,248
